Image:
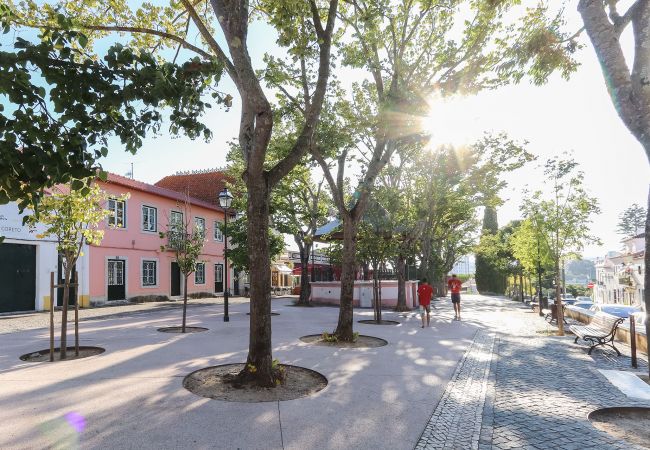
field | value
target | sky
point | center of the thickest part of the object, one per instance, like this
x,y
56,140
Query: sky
x,y
575,116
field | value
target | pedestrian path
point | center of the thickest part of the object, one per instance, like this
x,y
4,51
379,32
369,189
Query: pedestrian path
x,y
518,388
456,421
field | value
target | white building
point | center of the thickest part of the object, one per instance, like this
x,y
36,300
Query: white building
x,y
620,275
26,263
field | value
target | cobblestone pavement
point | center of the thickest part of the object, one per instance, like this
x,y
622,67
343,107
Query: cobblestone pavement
x,y
537,392
456,421
29,321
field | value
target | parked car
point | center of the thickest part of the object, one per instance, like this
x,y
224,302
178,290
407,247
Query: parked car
x,y
584,298
568,299
583,304
615,309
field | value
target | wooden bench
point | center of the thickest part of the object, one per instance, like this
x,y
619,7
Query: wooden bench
x,y
550,314
600,331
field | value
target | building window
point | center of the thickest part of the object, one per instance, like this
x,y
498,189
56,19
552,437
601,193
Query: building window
x,y
199,225
218,234
117,210
199,273
148,273
149,218
176,221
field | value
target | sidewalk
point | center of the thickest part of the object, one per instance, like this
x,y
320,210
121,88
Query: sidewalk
x,y
489,381
518,388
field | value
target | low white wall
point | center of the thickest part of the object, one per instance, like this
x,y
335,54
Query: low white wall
x,y
330,292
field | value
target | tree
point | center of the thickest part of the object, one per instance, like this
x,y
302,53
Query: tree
x,y
238,253
72,215
186,239
409,51
375,245
63,105
628,89
305,29
489,279
562,217
631,220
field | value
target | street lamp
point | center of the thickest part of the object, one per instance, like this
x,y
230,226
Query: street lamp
x,y
225,200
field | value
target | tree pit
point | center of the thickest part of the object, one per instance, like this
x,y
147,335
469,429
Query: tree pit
x,y
382,322
630,423
362,341
273,314
180,329
44,355
216,382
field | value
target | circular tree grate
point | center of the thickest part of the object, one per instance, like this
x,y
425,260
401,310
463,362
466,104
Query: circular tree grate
x,y
215,382
629,423
44,355
383,322
362,341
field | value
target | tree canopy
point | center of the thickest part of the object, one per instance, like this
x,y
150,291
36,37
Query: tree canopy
x,y
64,104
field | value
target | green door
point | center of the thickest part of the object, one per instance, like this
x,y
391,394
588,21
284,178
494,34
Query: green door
x,y
17,277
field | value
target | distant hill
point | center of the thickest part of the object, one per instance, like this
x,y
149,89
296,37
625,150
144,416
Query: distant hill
x,y
580,271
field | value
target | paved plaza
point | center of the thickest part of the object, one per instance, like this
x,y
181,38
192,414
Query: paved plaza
x,y
490,381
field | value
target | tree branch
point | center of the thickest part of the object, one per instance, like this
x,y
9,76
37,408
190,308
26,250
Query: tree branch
x,y
212,43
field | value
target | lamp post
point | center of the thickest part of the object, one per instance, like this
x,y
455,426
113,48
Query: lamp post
x,y
225,200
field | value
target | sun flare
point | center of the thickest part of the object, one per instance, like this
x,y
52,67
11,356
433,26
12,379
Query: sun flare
x,y
450,121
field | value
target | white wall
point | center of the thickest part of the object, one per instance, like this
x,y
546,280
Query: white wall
x,y
12,228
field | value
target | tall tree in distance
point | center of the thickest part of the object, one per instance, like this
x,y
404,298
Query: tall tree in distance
x,y
631,221
489,279
411,52
563,217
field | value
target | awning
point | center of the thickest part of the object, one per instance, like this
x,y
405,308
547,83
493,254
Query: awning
x,y
282,268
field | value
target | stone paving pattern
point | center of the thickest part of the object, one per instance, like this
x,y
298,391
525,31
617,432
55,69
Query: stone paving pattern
x,y
456,421
538,391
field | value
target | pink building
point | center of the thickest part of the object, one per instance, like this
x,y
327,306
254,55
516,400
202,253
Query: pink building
x,y
130,264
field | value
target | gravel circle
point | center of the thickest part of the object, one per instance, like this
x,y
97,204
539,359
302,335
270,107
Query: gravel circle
x,y
362,341
44,355
631,424
383,322
180,329
210,383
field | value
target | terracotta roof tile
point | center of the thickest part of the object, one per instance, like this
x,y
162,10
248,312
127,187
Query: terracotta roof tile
x,y
158,190
204,186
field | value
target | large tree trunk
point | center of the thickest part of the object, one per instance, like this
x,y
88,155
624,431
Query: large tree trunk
x,y
185,304
64,312
259,350
344,330
305,286
401,283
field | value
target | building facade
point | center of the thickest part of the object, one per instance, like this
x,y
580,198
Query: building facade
x,y
620,275
26,265
134,263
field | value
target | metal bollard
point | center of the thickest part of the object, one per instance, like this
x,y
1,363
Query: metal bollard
x,y
633,340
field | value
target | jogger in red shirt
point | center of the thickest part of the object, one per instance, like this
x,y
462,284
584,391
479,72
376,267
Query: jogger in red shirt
x,y
425,291
454,285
